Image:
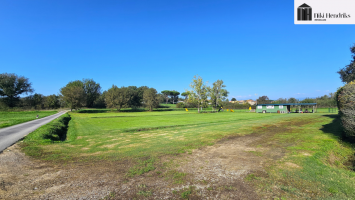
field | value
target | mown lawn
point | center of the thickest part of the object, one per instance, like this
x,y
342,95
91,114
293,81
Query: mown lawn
x,y
120,135
12,118
317,163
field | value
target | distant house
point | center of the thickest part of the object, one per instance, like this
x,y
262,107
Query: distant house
x,y
251,102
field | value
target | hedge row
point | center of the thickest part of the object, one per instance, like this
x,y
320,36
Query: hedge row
x,y
346,106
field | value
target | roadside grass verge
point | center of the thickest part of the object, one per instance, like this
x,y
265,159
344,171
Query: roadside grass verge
x,y
13,118
319,165
53,132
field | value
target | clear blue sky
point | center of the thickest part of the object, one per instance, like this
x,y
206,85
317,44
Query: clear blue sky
x,y
253,46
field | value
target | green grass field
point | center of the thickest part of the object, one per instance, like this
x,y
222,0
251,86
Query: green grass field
x,y
12,118
321,163
168,105
135,134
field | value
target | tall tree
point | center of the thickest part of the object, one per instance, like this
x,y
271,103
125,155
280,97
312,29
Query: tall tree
x,y
135,100
118,97
92,91
100,102
74,94
347,74
136,95
292,100
308,100
161,98
11,86
199,91
185,94
111,97
150,98
174,95
38,100
166,94
52,101
263,100
218,93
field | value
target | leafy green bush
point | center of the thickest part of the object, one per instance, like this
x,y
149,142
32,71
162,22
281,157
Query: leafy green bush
x,y
346,105
180,105
57,130
228,105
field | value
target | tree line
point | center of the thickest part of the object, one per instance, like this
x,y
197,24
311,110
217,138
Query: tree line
x,y
322,101
78,94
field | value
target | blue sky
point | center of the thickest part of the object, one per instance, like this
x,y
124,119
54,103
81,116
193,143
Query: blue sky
x,y
253,46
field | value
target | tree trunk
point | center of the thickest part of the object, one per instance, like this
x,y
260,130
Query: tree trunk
x,y
198,107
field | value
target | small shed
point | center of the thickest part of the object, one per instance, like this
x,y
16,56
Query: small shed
x,y
284,107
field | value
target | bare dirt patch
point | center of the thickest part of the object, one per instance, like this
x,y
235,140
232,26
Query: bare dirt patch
x,y
24,178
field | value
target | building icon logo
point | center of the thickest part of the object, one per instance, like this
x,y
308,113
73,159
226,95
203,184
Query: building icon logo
x,y
304,13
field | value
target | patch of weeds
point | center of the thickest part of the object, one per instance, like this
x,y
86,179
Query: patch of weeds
x,y
230,188
143,167
185,194
144,193
289,189
158,172
251,177
110,196
210,188
179,177
333,190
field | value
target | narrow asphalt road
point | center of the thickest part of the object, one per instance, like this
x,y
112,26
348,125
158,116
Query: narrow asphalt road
x,y
10,135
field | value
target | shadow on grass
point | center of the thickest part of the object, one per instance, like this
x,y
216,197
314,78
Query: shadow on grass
x,y
334,128
92,111
57,131
124,110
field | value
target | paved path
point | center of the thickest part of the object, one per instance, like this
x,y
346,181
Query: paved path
x,y
12,134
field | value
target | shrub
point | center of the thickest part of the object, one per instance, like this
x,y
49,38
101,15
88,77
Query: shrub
x,y
180,105
191,104
346,105
228,105
57,130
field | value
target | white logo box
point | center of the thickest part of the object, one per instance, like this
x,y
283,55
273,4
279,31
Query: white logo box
x,y
324,11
